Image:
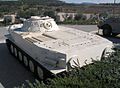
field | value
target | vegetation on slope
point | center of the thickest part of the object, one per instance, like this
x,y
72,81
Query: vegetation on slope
x,y
40,1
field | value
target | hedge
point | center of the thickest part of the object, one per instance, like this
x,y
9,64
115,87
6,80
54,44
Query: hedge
x,y
101,74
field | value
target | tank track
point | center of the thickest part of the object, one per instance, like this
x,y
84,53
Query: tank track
x,y
28,61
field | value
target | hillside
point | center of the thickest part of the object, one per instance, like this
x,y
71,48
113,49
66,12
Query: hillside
x,y
35,6
41,1
29,2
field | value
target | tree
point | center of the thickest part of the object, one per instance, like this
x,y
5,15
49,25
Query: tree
x,y
79,17
50,14
1,15
103,15
70,17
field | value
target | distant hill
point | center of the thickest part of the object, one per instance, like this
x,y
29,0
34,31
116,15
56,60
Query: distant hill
x,y
88,3
60,6
40,1
8,0
31,2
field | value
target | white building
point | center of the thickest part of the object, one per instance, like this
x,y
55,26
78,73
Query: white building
x,y
10,18
1,19
61,16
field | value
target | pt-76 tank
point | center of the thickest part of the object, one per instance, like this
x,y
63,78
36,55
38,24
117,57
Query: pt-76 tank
x,y
47,49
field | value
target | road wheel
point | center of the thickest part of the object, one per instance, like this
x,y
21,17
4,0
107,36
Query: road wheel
x,y
15,52
31,66
107,31
40,72
20,55
11,49
25,60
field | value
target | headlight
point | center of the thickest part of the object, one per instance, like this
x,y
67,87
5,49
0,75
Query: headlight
x,y
61,63
107,52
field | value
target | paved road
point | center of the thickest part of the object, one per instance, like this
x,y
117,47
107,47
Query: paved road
x,y
91,28
12,73
87,28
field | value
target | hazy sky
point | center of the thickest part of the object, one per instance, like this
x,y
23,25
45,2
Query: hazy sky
x,y
93,1
80,1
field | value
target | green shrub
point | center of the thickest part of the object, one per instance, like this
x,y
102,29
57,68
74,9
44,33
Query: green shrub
x,y
101,74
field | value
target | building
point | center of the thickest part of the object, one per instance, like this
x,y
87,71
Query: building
x,y
1,19
10,18
61,16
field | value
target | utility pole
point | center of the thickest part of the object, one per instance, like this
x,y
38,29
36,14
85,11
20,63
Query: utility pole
x,y
114,1
114,8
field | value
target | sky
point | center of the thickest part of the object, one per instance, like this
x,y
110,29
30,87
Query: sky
x,y
81,1
91,1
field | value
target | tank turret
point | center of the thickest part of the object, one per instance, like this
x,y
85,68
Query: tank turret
x,y
46,48
39,24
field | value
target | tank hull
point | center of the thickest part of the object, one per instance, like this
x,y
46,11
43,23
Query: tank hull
x,y
47,49
43,73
